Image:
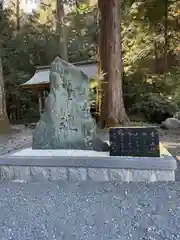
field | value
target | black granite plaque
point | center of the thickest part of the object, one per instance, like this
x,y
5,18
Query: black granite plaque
x,y
134,141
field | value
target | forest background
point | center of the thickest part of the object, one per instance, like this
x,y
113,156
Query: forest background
x,y
150,47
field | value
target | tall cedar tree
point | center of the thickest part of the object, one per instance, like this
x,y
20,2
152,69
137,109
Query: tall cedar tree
x,y
4,121
17,15
112,104
61,30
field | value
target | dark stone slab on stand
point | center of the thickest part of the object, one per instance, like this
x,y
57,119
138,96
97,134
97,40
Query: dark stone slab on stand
x,y
134,141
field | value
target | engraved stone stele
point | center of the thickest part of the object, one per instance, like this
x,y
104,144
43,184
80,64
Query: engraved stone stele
x,y
66,122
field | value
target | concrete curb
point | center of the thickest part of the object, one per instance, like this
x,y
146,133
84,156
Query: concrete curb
x,y
141,163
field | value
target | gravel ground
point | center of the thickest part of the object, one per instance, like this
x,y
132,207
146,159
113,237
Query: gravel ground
x,y
89,211
21,137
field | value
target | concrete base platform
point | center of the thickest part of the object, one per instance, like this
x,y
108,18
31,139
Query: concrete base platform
x,y
75,165
60,153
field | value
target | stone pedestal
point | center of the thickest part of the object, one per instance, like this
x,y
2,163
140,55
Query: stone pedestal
x,y
69,165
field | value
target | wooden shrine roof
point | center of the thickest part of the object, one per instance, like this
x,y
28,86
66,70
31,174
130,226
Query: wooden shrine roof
x,y
40,79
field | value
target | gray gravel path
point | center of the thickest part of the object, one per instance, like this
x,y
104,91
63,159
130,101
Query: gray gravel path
x,y
21,137
89,211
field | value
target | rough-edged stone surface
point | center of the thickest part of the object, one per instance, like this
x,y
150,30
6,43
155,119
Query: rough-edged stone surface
x,y
98,174
67,122
36,174
171,123
177,115
77,174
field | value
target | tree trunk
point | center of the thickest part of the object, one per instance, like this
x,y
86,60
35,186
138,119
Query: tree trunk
x,y
17,15
61,30
165,36
112,104
4,121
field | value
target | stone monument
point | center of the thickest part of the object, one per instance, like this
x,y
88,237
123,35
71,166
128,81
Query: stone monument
x,y
67,122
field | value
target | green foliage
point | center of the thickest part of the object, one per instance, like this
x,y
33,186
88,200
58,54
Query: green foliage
x,y
147,84
82,31
154,107
36,44
150,36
